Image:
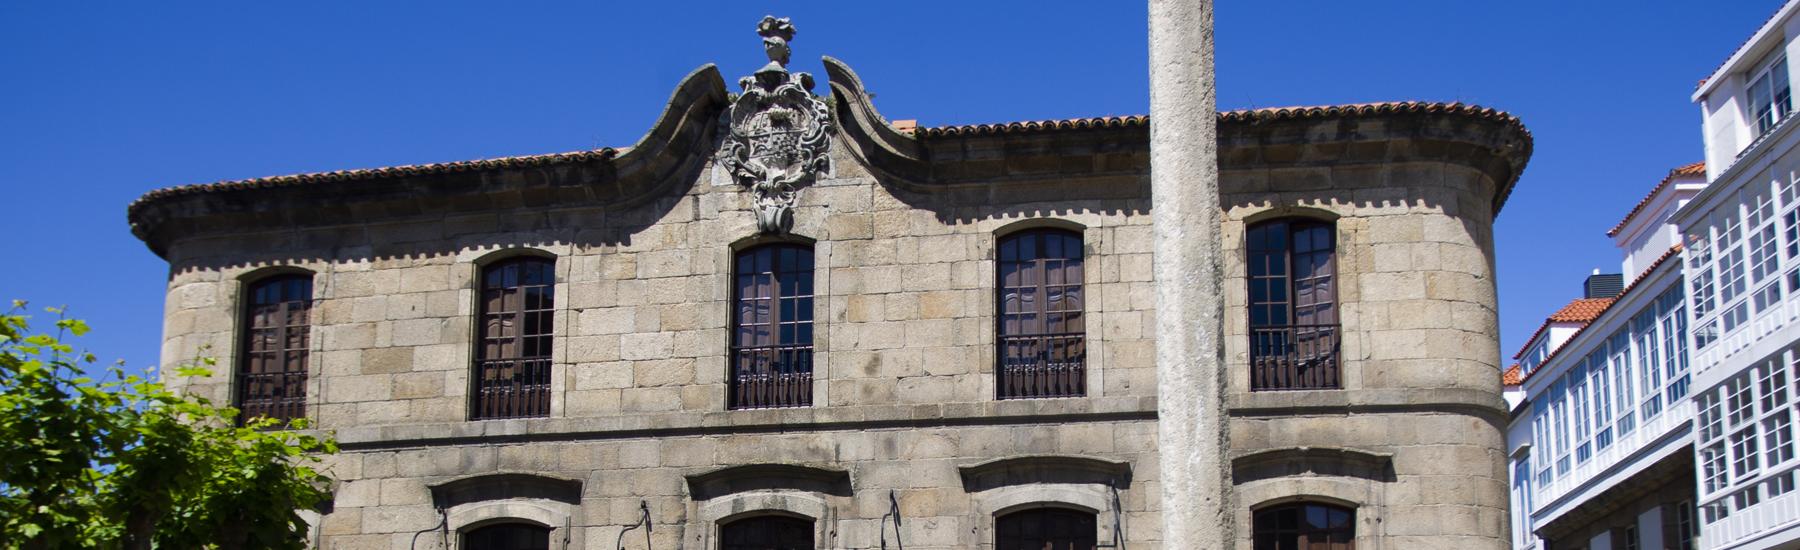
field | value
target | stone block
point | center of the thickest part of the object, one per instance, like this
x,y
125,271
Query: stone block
x,y
642,346
387,360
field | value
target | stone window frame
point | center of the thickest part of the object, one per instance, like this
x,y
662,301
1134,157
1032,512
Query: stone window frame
x,y
480,500
1001,239
1092,234
462,518
1349,250
1363,497
988,506
1293,333
714,513
821,298
1303,505
467,280
238,303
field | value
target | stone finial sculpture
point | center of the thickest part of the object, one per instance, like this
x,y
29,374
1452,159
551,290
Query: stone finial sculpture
x,y
780,135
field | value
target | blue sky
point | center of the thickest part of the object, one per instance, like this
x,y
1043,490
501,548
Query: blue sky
x,y
105,101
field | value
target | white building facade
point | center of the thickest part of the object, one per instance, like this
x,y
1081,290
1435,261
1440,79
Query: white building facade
x,y
1601,434
1742,235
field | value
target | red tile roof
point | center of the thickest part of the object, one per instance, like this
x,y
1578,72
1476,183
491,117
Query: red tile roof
x,y
1582,310
604,154
1695,169
1660,260
1513,376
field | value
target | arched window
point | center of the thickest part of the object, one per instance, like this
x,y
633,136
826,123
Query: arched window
x,y
1043,351
1045,529
767,533
271,379
1305,526
772,328
507,536
1292,267
512,363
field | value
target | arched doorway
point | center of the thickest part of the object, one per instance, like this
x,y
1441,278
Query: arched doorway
x,y
767,533
507,536
1045,529
1305,526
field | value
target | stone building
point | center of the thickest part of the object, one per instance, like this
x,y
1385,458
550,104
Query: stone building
x,y
780,321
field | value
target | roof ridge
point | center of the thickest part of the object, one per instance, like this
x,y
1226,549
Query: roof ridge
x,y
1683,170
1236,115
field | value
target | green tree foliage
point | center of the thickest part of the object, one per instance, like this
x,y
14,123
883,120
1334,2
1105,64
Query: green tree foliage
x,y
123,462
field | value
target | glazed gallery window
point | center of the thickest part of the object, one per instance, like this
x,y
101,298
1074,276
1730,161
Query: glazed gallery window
x,y
512,363
1304,526
1770,98
1293,305
772,328
767,533
507,536
271,377
1046,529
1043,348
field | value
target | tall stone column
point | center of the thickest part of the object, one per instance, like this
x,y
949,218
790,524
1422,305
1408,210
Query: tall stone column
x,y
1184,190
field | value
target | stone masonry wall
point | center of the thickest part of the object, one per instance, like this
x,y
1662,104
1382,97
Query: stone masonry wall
x,y
904,386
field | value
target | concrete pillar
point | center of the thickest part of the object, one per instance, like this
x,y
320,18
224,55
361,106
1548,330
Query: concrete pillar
x,y
1184,188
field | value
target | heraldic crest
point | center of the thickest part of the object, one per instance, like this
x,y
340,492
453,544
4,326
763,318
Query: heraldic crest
x,y
780,133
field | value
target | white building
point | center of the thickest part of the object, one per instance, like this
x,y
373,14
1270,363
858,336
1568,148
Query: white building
x,y
1742,235
1601,430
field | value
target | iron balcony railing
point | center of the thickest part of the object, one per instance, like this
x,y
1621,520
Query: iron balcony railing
x,y
767,377
1041,366
512,388
278,395
1294,357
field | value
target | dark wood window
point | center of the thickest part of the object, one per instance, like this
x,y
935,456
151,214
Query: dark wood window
x,y
772,329
1293,305
767,533
1042,334
508,536
512,363
271,379
1045,529
1305,526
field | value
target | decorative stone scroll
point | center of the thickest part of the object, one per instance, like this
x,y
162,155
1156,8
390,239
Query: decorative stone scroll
x,y
780,132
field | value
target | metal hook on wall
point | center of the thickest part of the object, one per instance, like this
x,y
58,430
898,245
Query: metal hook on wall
x,y
893,511
643,521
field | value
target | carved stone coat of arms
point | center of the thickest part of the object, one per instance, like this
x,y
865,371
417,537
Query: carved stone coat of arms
x,y
780,135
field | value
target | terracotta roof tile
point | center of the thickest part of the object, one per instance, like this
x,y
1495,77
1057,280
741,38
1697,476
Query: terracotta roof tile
x,y
604,154
1660,260
1695,169
1247,115
1513,376
1582,310
607,154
